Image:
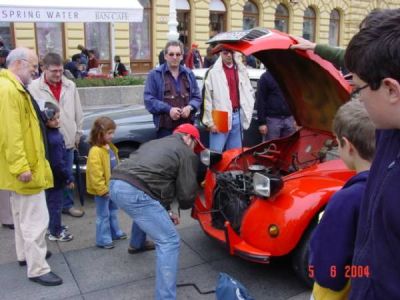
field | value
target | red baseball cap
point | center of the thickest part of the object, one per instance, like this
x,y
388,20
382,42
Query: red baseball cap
x,y
193,132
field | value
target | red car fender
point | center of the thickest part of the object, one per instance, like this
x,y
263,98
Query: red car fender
x,y
291,210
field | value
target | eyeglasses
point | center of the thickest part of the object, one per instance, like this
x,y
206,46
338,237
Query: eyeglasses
x,y
31,64
174,54
356,91
55,71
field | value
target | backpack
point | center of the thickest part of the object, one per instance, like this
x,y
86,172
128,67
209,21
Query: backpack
x,y
229,288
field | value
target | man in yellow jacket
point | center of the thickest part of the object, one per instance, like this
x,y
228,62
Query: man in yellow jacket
x,y
25,170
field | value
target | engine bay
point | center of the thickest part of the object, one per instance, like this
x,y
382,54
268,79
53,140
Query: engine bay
x,y
234,188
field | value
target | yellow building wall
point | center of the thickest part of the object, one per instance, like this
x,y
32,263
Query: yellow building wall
x,y
121,34
74,36
24,34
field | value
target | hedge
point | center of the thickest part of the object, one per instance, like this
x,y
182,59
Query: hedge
x,y
119,81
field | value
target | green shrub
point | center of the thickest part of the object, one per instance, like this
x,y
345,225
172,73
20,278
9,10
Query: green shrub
x,y
119,81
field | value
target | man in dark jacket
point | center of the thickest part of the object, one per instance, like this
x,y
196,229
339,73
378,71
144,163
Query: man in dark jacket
x,y
274,116
145,185
171,93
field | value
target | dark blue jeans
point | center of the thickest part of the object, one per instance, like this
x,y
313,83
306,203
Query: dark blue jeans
x,y
54,198
68,195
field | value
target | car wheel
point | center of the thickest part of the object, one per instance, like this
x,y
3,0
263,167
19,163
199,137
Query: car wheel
x,y
300,256
125,150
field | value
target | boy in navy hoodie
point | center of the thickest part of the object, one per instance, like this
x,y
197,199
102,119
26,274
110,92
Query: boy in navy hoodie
x,y
332,243
62,175
373,56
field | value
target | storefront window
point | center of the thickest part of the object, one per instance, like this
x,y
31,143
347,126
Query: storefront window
x,y
5,35
309,24
250,15
217,17
97,37
282,18
140,37
334,28
49,38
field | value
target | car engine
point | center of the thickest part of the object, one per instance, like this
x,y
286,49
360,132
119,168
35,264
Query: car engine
x,y
232,197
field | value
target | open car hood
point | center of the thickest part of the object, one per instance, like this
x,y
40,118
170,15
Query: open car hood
x,y
313,87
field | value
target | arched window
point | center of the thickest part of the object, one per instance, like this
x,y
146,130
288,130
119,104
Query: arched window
x,y
49,38
334,28
282,18
183,18
217,17
250,15
309,24
97,38
6,35
140,40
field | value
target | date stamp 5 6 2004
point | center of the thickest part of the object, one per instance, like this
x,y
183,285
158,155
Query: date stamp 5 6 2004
x,y
350,271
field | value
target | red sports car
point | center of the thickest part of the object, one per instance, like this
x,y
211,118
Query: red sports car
x,y
264,202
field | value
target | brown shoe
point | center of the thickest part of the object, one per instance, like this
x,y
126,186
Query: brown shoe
x,y
73,212
148,245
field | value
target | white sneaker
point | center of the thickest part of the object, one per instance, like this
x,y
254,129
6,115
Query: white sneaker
x,y
63,237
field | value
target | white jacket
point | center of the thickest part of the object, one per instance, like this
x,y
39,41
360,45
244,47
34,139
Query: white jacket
x,y
71,114
217,94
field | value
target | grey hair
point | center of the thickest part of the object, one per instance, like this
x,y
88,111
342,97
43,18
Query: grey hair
x,y
175,44
17,54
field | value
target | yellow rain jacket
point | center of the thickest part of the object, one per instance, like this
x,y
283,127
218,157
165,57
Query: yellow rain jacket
x,y
21,141
98,170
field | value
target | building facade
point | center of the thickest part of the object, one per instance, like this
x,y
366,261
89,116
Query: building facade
x,y
331,22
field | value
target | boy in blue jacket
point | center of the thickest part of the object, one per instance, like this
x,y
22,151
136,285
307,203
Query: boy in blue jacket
x,y
373,56
332,243
61,173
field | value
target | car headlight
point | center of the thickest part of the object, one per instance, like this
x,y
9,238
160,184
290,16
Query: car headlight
x,y
261,185
266,185
210,158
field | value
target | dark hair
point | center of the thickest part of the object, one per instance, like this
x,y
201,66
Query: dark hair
x,y
352,122
100,126
52,59
50,110
117,58
373,53
76,57
175,44
375,17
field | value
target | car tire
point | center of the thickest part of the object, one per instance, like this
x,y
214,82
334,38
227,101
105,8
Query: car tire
x,y
125,150
300,256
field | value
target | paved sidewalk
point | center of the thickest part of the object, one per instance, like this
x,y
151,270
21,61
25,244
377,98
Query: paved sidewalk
x,y
92,273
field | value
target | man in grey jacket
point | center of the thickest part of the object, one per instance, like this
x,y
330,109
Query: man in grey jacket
x,y
53,87
145,185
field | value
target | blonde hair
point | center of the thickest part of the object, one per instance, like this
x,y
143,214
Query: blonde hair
x,y
352,122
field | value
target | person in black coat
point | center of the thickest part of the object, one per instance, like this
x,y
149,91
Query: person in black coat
x,y
119,69
274,116
61,173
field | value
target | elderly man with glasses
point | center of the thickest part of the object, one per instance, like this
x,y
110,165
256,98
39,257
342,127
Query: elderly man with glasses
x,y
53,87
171,93
25,170
228,92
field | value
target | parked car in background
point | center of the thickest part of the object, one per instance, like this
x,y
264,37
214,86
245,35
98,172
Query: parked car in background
x,y
135,124
263,202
